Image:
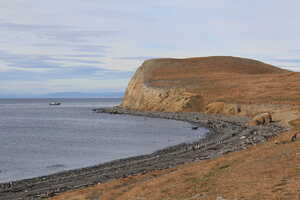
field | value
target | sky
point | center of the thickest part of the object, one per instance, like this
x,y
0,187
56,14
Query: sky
x,y
96,45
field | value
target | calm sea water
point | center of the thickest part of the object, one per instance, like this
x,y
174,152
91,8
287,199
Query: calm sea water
x,y
37,139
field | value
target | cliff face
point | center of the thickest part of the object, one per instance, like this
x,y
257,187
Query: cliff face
x,y
191,84
142,94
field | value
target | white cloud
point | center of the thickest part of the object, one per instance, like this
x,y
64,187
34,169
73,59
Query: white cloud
x,y
62,85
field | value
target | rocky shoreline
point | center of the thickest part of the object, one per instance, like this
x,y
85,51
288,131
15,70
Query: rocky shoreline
x,y
227,134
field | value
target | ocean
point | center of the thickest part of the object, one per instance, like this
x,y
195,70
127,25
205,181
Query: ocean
x,y
37,139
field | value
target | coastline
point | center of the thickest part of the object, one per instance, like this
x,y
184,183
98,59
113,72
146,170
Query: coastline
x,y
227,134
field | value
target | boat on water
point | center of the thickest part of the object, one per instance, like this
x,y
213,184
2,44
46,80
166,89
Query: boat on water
x,y
54,103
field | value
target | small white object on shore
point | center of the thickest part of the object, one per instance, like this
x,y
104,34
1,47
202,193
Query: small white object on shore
x,y
54,103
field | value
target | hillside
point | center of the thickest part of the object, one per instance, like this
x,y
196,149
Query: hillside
x,y
215,85
191,84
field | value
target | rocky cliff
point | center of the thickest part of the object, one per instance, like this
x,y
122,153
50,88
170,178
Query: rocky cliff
x,y
192,84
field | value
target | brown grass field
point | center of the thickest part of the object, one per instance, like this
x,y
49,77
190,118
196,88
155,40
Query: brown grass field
x,y
269,171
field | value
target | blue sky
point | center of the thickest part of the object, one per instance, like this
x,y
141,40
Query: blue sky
x,y
96,45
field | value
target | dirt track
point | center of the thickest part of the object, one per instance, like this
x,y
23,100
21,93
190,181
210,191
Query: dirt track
x,y
227,134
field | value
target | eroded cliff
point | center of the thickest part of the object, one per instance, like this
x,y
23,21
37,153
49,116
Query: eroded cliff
x,y
193,83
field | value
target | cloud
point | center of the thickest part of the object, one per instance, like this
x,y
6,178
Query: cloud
x,y
292,68
58,33
84,48
61,85
64,60
26,62
83,55
112,74
45,67
83,72
288,60
294,50
28,27
76,35
90,48
139,58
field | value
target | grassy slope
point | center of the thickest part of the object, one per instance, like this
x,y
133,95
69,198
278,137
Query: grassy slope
x,y
229,79
267,171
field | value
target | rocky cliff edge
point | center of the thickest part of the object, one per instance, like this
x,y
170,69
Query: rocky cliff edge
x,y
197,84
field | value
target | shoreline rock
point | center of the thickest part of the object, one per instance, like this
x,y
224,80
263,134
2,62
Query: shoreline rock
x,y
261,119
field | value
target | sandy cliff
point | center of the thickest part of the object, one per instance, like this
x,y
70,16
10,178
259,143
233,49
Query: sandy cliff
x,y
194,83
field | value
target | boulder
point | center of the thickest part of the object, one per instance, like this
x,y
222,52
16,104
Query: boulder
x,y
294,137
261,119
222,108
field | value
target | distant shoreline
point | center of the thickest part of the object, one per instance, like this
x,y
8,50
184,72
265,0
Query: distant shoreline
x,y
227,134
